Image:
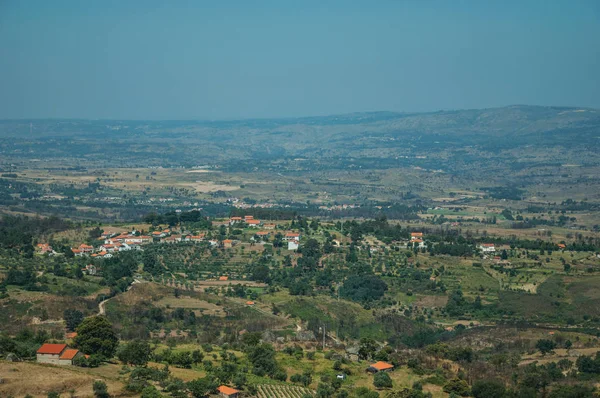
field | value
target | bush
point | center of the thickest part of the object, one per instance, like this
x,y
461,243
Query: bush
x,y
382,380
488,389
100,389
458,387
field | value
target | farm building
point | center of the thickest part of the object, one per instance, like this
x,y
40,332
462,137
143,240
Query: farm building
x,y
290,236
228,392
235,220
293,245
380,367
487,248
253,223
68,355
416,235
57,354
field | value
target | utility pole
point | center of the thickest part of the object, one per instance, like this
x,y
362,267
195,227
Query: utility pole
x,y
324,333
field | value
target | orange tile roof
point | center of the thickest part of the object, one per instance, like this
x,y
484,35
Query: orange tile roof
x,y
253,222
416,234
382,365
71,335
292,234
227,241
249,302
54,349
236,218
69,353
223,278
227,390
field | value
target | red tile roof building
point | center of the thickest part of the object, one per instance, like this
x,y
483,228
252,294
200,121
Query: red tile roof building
x,y
228,392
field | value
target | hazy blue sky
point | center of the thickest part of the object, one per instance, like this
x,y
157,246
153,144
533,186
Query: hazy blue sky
x,y
241,59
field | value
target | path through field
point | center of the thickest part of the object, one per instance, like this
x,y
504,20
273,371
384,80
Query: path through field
x,y
102,304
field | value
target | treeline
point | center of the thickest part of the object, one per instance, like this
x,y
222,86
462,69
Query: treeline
x,y
17,232
172,218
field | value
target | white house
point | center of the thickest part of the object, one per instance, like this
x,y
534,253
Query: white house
x,y
290,236
293,245
487,248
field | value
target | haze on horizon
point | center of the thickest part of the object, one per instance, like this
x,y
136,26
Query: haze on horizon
x,y
224,60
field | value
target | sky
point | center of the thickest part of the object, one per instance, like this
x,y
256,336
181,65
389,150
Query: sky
x,y
146,59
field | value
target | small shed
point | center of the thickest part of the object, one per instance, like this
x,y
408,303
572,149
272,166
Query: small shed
x,y
68,356
228,392
380,367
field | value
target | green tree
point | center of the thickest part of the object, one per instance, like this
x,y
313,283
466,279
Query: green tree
x,y
574,391
151,392
488,389
100,389
262,358
240,380
458,387
136,353
95,336
200,388
545,346
73,318
367,348
382,380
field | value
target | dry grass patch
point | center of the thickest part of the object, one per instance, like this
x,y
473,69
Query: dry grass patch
x,y
21,378
202,306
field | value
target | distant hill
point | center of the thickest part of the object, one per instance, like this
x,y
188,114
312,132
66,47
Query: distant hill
x,y
381,135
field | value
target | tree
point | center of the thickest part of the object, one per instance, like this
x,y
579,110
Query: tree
x,y
200,388
363,288
488,389
382,380
100,389
545,346
458,387
262,358
73,318
136,353
261,274
151,264
367,348
575,391
151,392
96,336
240,380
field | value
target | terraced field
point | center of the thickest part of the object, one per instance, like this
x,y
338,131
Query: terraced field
x,y
283,391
